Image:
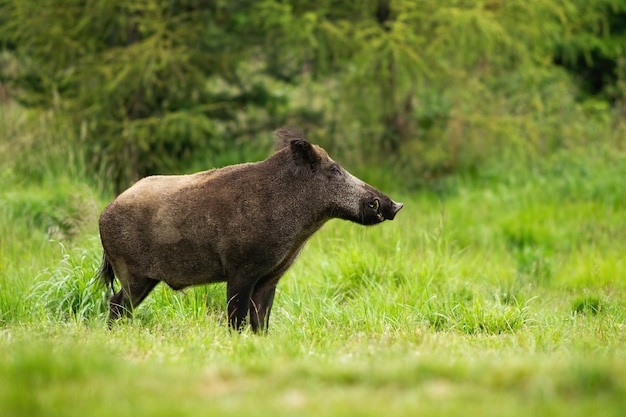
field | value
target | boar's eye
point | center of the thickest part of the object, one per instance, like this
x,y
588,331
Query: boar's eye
x,y
374,204
335,170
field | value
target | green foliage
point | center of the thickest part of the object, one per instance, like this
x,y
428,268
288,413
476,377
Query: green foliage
x,y
39,147
594,46
587,305
132,88
57,213
144,83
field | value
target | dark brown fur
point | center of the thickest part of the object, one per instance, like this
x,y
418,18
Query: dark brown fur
x,y
244,224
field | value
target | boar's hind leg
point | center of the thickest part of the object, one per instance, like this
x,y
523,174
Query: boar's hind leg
x,y
129,297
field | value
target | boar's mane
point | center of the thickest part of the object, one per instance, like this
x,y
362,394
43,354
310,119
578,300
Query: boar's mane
x,y
285,135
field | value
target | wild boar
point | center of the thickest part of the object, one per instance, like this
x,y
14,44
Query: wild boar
x,y
242,224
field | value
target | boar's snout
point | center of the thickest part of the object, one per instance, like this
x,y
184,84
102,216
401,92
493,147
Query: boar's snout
x,y
393,210
379,209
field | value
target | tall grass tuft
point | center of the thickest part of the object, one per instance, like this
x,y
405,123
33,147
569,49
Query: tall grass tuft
x,y
69,290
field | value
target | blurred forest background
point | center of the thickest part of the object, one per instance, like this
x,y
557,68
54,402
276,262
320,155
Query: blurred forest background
x,y
412,91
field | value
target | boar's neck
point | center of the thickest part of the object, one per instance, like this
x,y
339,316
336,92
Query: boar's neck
x,y
296,197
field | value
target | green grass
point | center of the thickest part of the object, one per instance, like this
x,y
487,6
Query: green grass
x,y
503,293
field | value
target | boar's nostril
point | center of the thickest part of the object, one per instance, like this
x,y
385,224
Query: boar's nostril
x,y
395,208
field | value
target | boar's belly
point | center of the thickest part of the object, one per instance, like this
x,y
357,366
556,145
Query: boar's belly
x,y
185,263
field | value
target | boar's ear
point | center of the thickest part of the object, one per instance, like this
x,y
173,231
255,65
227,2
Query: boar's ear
x,y
304,156
303,153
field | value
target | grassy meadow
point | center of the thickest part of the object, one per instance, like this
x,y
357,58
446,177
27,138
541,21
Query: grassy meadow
x,y
497,293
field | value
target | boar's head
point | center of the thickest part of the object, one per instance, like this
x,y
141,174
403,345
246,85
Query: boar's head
x,y
333,192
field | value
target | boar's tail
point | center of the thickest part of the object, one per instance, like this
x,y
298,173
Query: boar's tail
x,y
106,274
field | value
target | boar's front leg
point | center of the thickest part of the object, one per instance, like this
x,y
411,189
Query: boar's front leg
x,y
261,304
238,294
248,298
264,290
